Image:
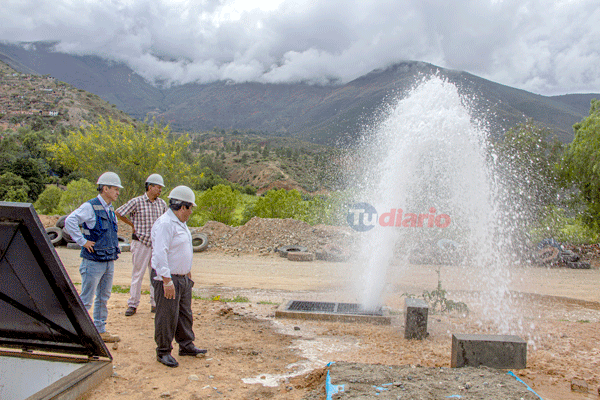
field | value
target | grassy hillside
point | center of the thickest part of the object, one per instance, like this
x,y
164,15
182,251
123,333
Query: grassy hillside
x,y
267,162
27,99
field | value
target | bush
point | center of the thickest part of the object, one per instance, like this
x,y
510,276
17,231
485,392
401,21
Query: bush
x,y
76,194
559,226
218,204
279,204
13,188
49,200
323,210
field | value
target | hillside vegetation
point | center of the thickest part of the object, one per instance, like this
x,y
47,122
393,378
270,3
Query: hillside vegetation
x,y
55,140
333,114
40,109
42,101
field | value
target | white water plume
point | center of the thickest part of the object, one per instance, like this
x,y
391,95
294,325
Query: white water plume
x,y
429,162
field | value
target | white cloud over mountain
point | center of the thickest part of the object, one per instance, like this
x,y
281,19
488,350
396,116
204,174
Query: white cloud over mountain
x,y
547,47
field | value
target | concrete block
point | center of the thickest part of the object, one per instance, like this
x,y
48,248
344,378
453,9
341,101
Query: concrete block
x,y
494,351
415,325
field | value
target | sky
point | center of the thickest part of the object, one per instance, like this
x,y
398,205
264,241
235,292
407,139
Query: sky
x,y
548,47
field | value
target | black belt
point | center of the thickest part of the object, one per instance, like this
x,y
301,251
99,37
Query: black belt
x,y
179,275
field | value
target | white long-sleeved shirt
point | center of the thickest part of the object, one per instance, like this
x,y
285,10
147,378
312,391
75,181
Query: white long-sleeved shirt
x,y
172,250
84,214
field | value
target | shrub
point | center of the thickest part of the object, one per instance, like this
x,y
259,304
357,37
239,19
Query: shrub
x,y
563,228
219,204
49,200
13,188
279,204
77,192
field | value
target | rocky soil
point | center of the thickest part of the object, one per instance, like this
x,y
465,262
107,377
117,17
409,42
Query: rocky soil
x,y
253,355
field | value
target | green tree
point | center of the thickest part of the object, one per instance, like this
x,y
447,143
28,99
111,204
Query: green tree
x,y
76,193
34,173
219,204
133,152
530,162
279,204
49,201
581,163
329,210
13,188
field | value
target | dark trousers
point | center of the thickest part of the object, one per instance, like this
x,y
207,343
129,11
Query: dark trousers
x,y
174,317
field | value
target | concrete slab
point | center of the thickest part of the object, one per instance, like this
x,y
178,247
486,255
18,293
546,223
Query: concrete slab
x,y
494,351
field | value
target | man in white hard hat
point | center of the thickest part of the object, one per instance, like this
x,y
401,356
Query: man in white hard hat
x,y
99,248
140,213
172,278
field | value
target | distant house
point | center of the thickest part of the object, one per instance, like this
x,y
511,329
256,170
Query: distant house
x,y
53,113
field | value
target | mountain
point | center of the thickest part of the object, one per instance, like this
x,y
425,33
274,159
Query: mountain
x,y
328,114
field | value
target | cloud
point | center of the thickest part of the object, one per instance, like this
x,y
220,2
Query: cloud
x,y
545,47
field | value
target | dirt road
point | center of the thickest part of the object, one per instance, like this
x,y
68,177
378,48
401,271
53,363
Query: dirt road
x,y
253,355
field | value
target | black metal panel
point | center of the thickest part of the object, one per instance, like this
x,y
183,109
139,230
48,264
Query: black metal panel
x,y
311,306
39,306
354,308
331,308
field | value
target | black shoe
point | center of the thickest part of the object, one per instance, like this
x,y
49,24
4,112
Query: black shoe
x,y
191,351
130,311
153,309
168,360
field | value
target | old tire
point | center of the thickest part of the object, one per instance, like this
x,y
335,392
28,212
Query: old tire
x,y
335,253
547,254
61,222
568,256
285,250
73,246
55,235
199,242
67,237
578,265
300,256
122,239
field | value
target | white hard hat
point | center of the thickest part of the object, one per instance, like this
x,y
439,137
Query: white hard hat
x,y
156,179
183,193
110,179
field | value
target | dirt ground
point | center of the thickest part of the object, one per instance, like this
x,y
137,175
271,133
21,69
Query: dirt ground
x,y
253,355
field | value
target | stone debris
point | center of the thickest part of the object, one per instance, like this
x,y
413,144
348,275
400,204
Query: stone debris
x,y
264,235
579,385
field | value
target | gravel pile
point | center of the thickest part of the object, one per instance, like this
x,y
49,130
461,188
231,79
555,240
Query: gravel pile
x,y
264,235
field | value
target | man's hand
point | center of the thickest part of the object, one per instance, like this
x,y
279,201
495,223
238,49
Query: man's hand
x,y
89,246
169,290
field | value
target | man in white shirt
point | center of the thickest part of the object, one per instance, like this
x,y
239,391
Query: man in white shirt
x,y
172,278
99,248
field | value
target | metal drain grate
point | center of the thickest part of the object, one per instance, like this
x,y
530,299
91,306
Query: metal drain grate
x,y
332,308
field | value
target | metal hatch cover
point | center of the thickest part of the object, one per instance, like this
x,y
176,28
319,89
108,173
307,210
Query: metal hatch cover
x,y
331,311
39,306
